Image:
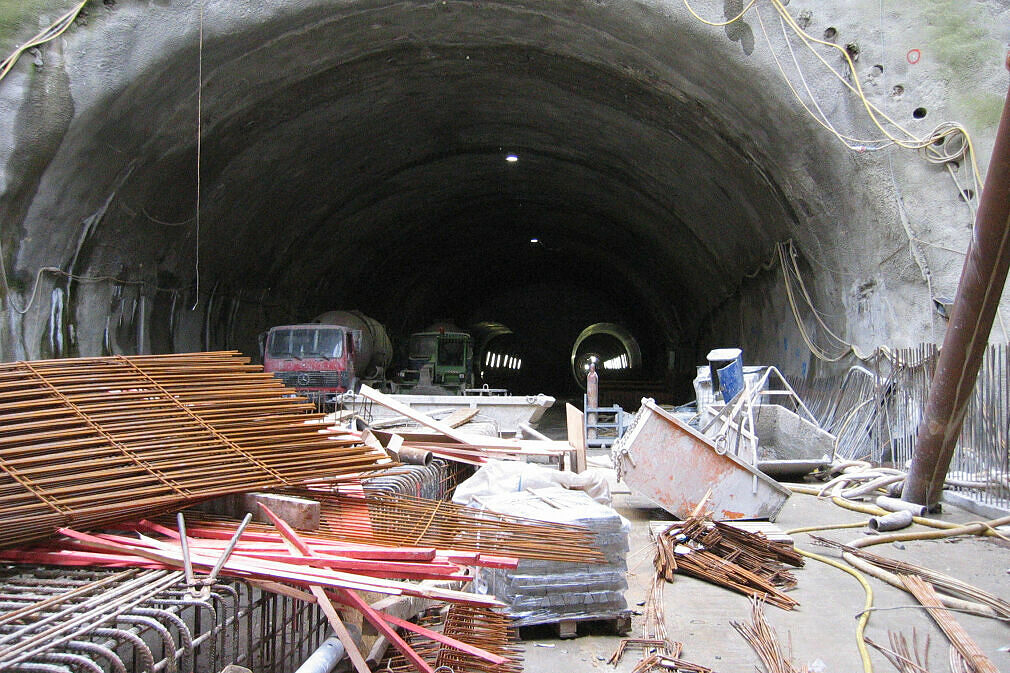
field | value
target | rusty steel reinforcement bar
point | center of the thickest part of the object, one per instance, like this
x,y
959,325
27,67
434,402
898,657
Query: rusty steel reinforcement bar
x,y
86,619
89,441
978,295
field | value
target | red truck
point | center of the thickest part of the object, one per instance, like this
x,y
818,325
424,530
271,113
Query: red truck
x,y
328,356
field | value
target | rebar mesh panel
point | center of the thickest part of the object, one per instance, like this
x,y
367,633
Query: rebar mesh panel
x,y
98,439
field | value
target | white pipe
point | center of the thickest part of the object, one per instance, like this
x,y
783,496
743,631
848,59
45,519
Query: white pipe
x,y
327,655
892,521
897,505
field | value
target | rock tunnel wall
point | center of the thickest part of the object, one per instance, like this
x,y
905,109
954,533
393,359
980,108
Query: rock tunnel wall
x,y
354,156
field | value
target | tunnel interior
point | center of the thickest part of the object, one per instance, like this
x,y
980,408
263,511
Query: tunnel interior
x,y
546,167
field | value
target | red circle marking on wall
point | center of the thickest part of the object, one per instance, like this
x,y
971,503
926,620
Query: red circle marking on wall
x,y
913,56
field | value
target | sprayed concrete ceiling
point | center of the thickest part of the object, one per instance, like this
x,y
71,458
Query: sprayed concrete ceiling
x,y
356,155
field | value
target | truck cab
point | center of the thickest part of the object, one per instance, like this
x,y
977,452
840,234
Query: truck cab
x,y
316,360
440,362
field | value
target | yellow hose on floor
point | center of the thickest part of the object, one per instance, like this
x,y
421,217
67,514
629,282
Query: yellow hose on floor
x,y
974,528
864,654
948,530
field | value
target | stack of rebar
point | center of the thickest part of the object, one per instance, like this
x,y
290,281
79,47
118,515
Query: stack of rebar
x,y
751,551
92,440
745,562
486,628
972,656
399,520
765,642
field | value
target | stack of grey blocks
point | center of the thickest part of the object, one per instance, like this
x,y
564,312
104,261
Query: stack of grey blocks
x,y
541,592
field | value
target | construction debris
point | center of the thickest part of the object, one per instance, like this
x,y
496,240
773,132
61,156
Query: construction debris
x,y
451,443
764,641
904,656
973,658
100,451
285,562
940,581
716,552
90,441
401,520
260,555
663,662
658,651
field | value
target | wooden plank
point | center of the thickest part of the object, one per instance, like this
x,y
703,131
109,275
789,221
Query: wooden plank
x,y
576,437
460,416
404,410
299,548
386,630
345,637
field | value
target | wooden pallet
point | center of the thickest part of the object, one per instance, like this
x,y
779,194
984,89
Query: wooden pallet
x,y
568,627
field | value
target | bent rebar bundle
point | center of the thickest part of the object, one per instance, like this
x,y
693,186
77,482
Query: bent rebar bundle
x,y
93,440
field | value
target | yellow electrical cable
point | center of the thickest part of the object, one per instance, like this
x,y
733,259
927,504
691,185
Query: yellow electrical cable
x,y
871,109
799,99
720,23
816,350
875,114
829,526
60,26
864,654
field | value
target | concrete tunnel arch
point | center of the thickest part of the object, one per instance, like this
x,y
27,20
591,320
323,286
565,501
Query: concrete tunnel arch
x,y
356,156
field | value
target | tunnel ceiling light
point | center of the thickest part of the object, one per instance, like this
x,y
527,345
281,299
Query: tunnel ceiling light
x,y
512,158
534,241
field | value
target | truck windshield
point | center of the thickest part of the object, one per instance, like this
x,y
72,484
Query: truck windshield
x,y
306,342
451,352
422,347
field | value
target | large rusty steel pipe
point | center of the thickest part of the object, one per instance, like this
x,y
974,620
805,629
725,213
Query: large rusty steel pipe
x,y
978,295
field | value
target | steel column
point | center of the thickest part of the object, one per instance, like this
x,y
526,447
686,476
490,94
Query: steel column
x,y
978,295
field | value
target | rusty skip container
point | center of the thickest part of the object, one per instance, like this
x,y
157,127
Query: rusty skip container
x,y
675,466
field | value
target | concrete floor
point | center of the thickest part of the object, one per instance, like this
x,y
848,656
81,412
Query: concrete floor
x,y
822,629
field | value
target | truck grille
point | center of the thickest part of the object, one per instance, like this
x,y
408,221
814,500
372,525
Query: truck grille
x,y
313,379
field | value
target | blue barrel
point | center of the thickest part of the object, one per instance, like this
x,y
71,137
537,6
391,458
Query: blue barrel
x,y
731,380
726,367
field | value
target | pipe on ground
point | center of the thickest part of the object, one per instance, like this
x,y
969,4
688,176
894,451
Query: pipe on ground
x,y
898,505
412,456
892,521
978,295
328,654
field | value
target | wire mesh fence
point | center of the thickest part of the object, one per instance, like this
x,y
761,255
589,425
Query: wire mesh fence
x,y
875,414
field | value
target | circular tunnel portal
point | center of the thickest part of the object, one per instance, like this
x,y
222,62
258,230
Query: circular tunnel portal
x,y
544,167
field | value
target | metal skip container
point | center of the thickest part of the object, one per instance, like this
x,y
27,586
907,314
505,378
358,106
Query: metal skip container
x,y
675,466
